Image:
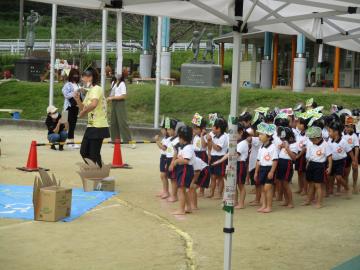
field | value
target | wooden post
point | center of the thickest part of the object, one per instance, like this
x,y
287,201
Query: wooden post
x,y
222,60
293,55
276,59
337,69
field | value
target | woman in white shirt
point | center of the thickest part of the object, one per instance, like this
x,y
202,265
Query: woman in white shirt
x,y
69,91
119,127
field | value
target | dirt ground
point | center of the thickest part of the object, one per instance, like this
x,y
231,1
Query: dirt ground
x,y
135,230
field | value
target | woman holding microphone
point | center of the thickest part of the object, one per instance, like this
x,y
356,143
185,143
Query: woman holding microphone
x,y
94,105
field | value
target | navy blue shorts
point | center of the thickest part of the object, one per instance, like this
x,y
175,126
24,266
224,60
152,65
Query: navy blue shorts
x,y
300,164
241,172
218,169
171,174
163,163
202,155
252,178
315,172
263,175
204,178
338,167
284,171
348,160
184,175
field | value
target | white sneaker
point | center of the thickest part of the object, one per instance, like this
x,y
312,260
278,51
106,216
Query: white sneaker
x,y
131,146
73,146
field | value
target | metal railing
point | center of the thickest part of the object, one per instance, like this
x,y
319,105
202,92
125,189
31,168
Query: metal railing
x,y
16,46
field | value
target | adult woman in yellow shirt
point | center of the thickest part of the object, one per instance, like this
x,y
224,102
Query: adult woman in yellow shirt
x,y
94,105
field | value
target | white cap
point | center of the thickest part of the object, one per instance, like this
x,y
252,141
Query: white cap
x,y
51,109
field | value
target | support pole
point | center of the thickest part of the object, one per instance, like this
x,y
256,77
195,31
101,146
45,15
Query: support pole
x,y
222,60
165,53
103,48
230,185
158,74
300,65
119,53
293,55
266,63
267,45
146,34
52,53
337,69
276,60
21,19
146,57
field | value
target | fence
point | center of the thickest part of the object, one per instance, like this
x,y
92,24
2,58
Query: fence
x,y
15,46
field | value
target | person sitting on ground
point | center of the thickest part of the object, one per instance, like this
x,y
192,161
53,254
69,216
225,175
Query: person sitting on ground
x,y
57,131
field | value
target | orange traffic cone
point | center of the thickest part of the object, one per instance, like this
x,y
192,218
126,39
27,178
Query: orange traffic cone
x,y
117,157
31,165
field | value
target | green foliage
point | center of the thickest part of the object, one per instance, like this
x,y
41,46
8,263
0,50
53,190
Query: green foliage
x,y
7,61
175,74
179,102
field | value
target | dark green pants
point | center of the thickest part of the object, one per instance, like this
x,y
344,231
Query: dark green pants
x,y
119,127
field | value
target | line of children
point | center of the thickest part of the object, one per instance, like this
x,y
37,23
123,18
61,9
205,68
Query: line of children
x,y
323,149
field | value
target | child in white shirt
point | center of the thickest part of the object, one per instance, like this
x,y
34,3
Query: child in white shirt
x,y
162,144
184,169
267,161
318,156
219,147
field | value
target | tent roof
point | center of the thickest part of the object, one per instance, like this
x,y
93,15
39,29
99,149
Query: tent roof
x,y
256,38
338,28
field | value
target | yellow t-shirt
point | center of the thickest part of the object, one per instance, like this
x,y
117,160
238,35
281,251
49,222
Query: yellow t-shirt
x,y
97,117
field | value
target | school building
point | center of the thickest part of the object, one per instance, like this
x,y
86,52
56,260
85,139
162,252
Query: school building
x,y
270,60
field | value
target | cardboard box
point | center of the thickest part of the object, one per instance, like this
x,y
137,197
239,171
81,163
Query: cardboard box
x,y
95,178
106,184
51,201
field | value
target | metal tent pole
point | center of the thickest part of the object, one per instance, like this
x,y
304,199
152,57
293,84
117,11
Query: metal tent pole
x,y
119,53
230,187
103,48
52,53
158,74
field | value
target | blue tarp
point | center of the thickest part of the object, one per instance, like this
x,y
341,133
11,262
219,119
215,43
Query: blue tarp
x,y
16,202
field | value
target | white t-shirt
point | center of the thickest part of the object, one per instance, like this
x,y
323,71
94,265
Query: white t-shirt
x,y
223,142
277,141
283,154
339,149
171,143
318,153
198,144
325,134
296,132
187,152
255,146
164,142
352,140
301,141
242,149
199,164
267,155
118,90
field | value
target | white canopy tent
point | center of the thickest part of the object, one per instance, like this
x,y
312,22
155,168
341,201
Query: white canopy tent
x,y
340,26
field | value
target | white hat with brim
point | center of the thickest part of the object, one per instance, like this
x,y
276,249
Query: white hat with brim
x,y
51,109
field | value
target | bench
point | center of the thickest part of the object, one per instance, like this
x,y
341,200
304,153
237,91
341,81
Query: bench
x,y
15,113
168,80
